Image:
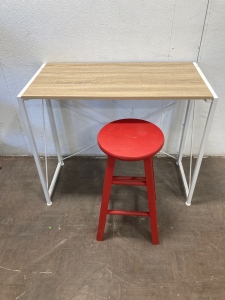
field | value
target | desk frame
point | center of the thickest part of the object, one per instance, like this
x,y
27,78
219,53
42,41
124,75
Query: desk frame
x,y
189,190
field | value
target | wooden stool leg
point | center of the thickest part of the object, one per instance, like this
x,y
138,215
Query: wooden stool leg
x,y
150,185
105,197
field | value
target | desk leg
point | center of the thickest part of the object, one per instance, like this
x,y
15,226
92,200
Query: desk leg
x,y
57,145
54,131
34,149
201,150
189,109
185,130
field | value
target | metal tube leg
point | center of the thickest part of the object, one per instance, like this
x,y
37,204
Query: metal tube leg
x,y
34,149
184,131
54,131
201,150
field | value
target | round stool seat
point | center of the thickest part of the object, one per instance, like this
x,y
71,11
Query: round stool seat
x,y
130,139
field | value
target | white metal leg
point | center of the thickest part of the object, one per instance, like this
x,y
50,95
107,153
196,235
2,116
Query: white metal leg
x,y
201,150
57,146
34,149
190,190
183,177
54,131
55,176
182,144
185,130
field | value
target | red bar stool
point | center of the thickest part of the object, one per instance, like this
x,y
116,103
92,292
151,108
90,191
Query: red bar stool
x,y
130,140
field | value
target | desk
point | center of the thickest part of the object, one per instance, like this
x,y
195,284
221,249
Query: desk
x,y
106,81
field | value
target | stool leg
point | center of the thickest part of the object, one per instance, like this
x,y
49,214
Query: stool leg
x,y
150,185
105,197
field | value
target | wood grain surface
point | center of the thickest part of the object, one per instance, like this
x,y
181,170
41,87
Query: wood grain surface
x,y
118,81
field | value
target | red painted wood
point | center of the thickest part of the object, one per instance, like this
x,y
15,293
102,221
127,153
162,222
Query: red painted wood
x,y
130,139
128,178
125,180
105,197
128,213
149,173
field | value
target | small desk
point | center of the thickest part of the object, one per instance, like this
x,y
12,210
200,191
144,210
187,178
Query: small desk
x,y
106,81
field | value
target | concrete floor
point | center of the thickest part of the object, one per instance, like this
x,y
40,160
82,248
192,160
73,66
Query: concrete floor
x,y
51,252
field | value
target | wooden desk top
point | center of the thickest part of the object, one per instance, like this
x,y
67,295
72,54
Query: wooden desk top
x,y
117,81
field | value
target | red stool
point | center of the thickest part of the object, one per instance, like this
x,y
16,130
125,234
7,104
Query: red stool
x,y
130,140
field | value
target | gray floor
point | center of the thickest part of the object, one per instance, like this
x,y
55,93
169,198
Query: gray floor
x,y
51,252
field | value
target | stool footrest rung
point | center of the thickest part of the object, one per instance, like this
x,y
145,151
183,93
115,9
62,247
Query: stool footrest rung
x,y
128,213
129,180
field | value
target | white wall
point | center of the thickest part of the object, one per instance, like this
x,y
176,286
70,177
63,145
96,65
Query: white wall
x,y
37,31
